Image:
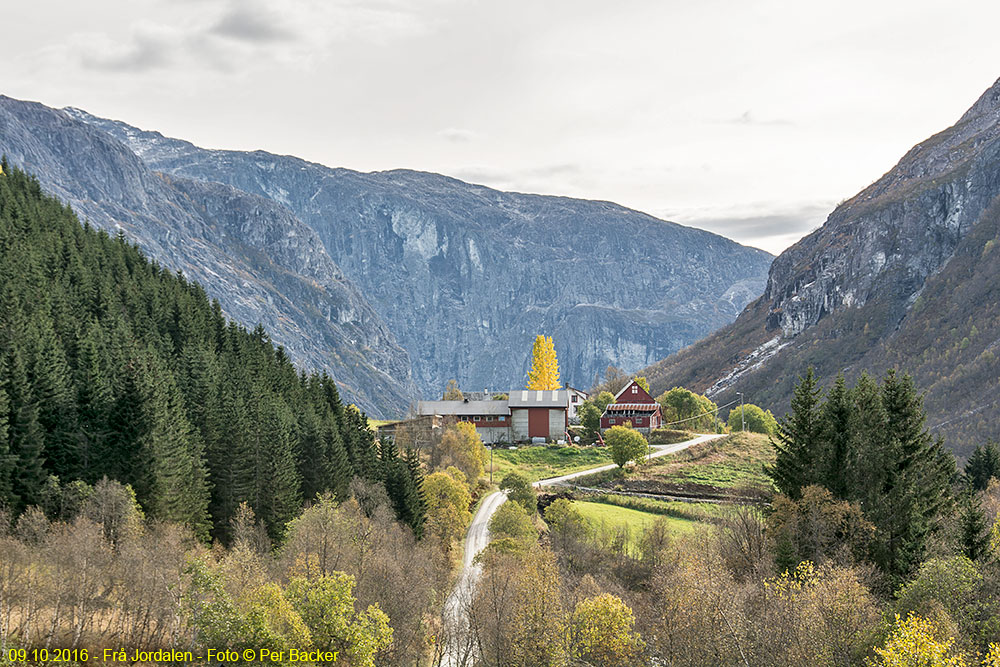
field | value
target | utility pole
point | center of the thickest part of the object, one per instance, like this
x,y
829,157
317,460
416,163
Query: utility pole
x,y
743,415
491,465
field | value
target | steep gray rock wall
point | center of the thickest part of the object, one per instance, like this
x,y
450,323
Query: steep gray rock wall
x,y
466,276
898,231
261,262
903,275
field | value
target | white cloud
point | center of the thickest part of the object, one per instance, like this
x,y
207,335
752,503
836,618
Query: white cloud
x,y
694,111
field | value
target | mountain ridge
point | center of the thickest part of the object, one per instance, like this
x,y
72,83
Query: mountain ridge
x,y
461,252
847,297
169,217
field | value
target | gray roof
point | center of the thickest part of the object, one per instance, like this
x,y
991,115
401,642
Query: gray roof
x,y
531,398
463,408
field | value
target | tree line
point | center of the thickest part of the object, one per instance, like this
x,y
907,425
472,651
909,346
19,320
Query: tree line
x,y
111,366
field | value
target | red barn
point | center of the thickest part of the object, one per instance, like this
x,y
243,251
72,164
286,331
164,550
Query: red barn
x,y
632,404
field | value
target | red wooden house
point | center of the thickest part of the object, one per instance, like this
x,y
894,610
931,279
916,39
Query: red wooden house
x,y
632,404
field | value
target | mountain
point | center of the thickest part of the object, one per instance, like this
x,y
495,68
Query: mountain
x,y
905,274
262,263
466,276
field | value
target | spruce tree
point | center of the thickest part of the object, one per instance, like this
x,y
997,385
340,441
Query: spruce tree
x,y
52,393
915,486
798,446
6,458
314,464
175,484
119,455
114,366
983,465
836,435
94,399
418,503
974,527
25,435
341,471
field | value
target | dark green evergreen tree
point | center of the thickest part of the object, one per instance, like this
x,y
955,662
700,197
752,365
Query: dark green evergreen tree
x,y
174,484
418,503
798,445
340,469
836,434
6,458
911,481
94,398
314,463
114,366
52,392
974,527
26,438
983,465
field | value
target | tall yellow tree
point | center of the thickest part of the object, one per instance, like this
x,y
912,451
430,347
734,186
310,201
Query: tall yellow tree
x,y
544,373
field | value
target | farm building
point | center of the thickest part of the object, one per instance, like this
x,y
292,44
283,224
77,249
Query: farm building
x,y
491,418
632,404
576,397
526,414
539,414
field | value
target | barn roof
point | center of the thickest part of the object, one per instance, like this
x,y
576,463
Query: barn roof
x,y
463,408
532,398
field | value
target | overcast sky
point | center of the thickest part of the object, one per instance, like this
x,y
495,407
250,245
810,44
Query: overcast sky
x,y
750,119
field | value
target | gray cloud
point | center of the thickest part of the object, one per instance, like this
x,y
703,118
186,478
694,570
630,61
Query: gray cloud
x,y
763,225
769,231
248,24
457,135
143,53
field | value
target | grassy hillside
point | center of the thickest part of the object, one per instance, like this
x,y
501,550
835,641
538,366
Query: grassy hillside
x,y
537,463
606,519
729,466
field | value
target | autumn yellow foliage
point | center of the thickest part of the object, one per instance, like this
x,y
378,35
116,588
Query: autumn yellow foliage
x,y
544,373
601,631
912,644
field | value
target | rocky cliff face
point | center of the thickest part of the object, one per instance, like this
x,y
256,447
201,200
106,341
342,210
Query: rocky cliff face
x,y
261,262
896,232
865,290
466,276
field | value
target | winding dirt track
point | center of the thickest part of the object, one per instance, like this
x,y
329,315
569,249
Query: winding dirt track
x,y
459,647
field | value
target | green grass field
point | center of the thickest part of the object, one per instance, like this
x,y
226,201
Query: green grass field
x,y
542,462
375,423
610,518
731,463
734,462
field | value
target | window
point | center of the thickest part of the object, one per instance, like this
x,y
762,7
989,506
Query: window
x,y
575,397
503,418
635,389
611,421
476,418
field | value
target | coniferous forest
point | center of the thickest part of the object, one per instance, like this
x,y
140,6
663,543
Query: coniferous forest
x,y
113,367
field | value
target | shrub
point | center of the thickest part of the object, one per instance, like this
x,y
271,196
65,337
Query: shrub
x,y
758,420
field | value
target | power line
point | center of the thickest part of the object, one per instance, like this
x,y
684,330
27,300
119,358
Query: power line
x,y
719,407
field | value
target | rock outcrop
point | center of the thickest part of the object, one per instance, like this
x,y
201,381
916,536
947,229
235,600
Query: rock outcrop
x,y
466,276
262,263
864,291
